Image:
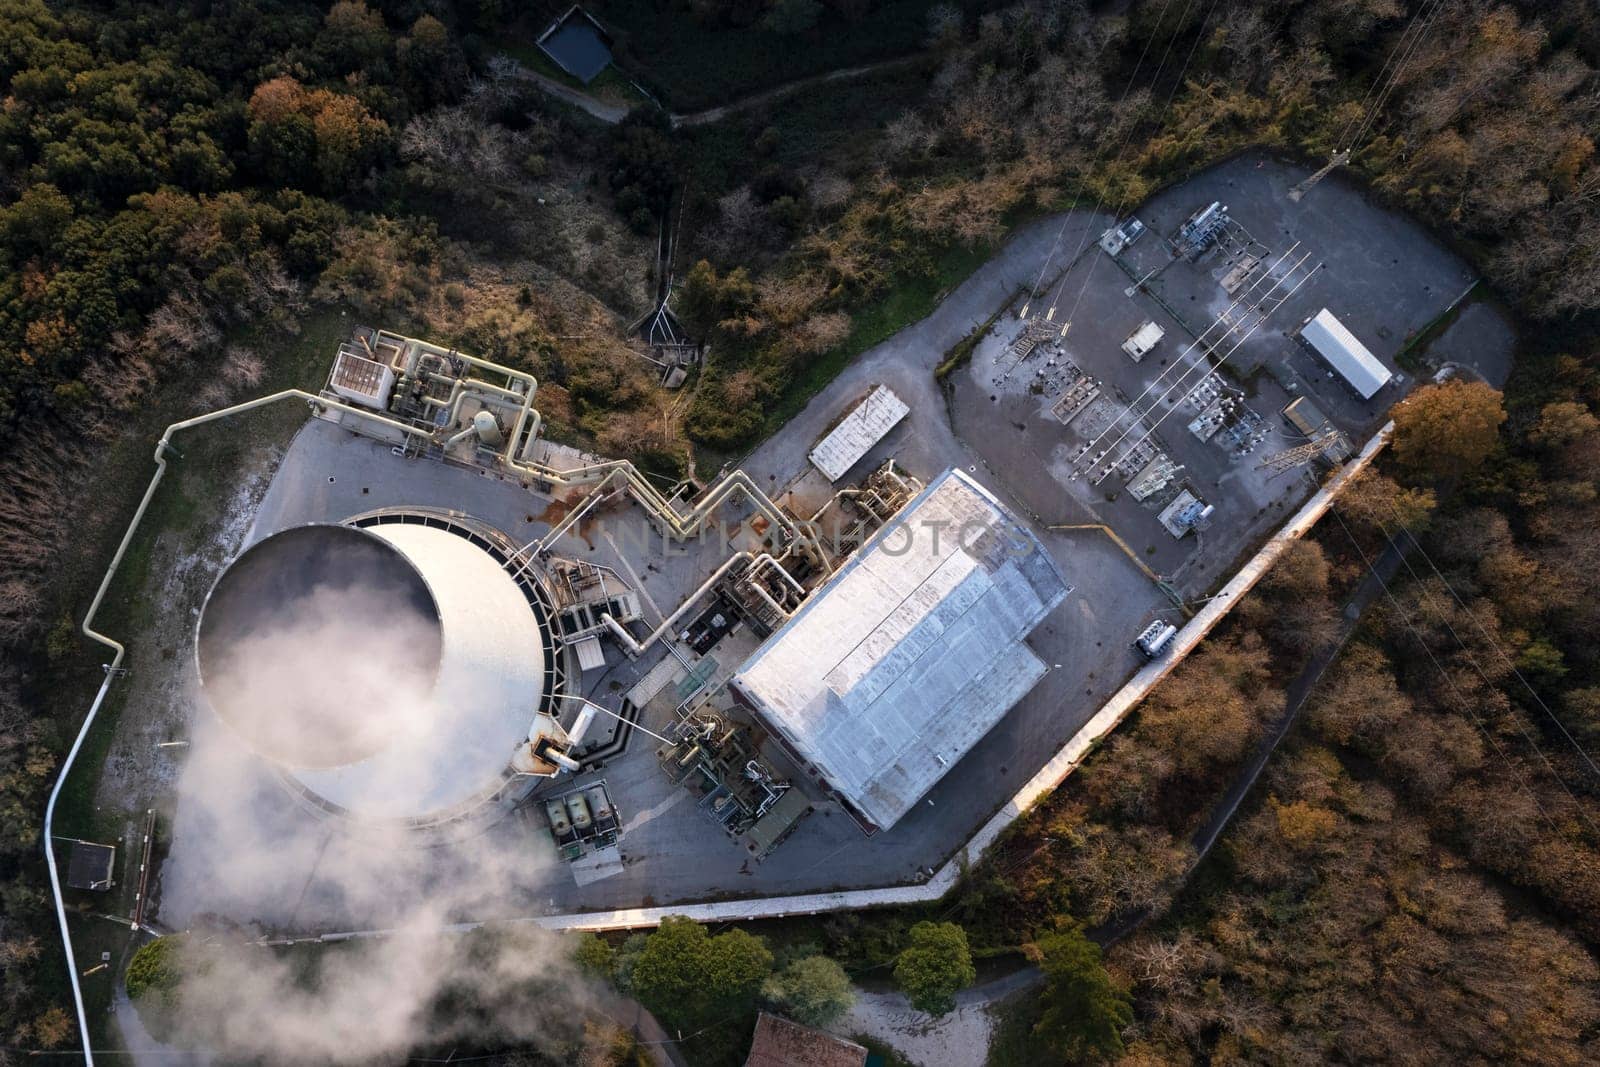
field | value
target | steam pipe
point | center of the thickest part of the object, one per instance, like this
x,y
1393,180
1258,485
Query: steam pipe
x,y
119,652
771,603
635,647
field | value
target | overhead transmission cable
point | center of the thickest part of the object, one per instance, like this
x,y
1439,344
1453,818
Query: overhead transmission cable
x,y
1521,726
1460,698
1132,425
1261,318
1133,78
1489,639
1172,94
1423,19
1222,317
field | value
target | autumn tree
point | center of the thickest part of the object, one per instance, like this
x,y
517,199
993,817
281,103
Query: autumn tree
x,y
1377,503
1445,430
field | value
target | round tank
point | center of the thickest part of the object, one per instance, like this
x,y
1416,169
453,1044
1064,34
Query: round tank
x,y
391,670
488,428
599,803
579,811
557,813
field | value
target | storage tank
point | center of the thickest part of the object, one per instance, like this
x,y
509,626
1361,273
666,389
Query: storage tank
x,y
560,825
599,802
488,429
579,812
389,669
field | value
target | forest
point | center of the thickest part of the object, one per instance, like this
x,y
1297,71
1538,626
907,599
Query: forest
x,y
1417,876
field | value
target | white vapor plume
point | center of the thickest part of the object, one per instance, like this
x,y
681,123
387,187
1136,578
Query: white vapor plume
x,y
250,859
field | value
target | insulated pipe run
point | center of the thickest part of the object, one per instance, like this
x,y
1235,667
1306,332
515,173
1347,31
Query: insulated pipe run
x,y
766,560
633,646
766,597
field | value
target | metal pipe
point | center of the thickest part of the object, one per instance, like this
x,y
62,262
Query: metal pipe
x,y
635,647
766,559
771,603
118,651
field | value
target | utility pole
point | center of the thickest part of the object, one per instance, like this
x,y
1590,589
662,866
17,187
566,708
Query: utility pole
x,y
1338,159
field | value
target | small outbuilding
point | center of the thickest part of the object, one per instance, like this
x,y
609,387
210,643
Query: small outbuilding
x,y
578,44
867,423
1340,349
1142,340
89,866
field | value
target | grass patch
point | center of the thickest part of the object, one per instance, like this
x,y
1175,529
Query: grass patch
x,y
962,350
1409,355
908,302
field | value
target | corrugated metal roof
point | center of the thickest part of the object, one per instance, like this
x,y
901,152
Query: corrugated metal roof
x,y
854,437
905,659
1336,344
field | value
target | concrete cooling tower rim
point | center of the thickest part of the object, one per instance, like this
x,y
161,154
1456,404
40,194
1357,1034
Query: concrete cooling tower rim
x,y
496,665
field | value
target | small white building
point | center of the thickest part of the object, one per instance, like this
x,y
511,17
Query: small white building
x,y
867,424
1338,347
1142,340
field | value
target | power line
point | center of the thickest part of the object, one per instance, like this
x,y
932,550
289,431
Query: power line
x,y
1424,20
1461,700
1490,640
1203,364
1127,139
1167,106
1223,317
1521,726
1126,89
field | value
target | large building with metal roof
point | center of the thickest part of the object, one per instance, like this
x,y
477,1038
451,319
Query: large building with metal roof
x,y
891,671
1341,350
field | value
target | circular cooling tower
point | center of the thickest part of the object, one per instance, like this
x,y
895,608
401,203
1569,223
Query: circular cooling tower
x,y
390,670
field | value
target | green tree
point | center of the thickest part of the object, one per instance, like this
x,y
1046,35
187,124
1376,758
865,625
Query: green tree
x,y
813,990
155,970
1445,430
1084,1011
594,955
690,979
935,966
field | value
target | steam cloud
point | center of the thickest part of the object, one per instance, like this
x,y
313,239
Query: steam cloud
x,y
250,859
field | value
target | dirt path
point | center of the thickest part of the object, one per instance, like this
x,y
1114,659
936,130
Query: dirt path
x,y
612,114
767,96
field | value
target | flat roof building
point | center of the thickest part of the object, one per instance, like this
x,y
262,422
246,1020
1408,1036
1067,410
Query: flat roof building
x,y
1338,347
867,424
89,866
911,653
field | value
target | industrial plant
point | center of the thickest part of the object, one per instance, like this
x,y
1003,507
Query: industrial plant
x,y
849,654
